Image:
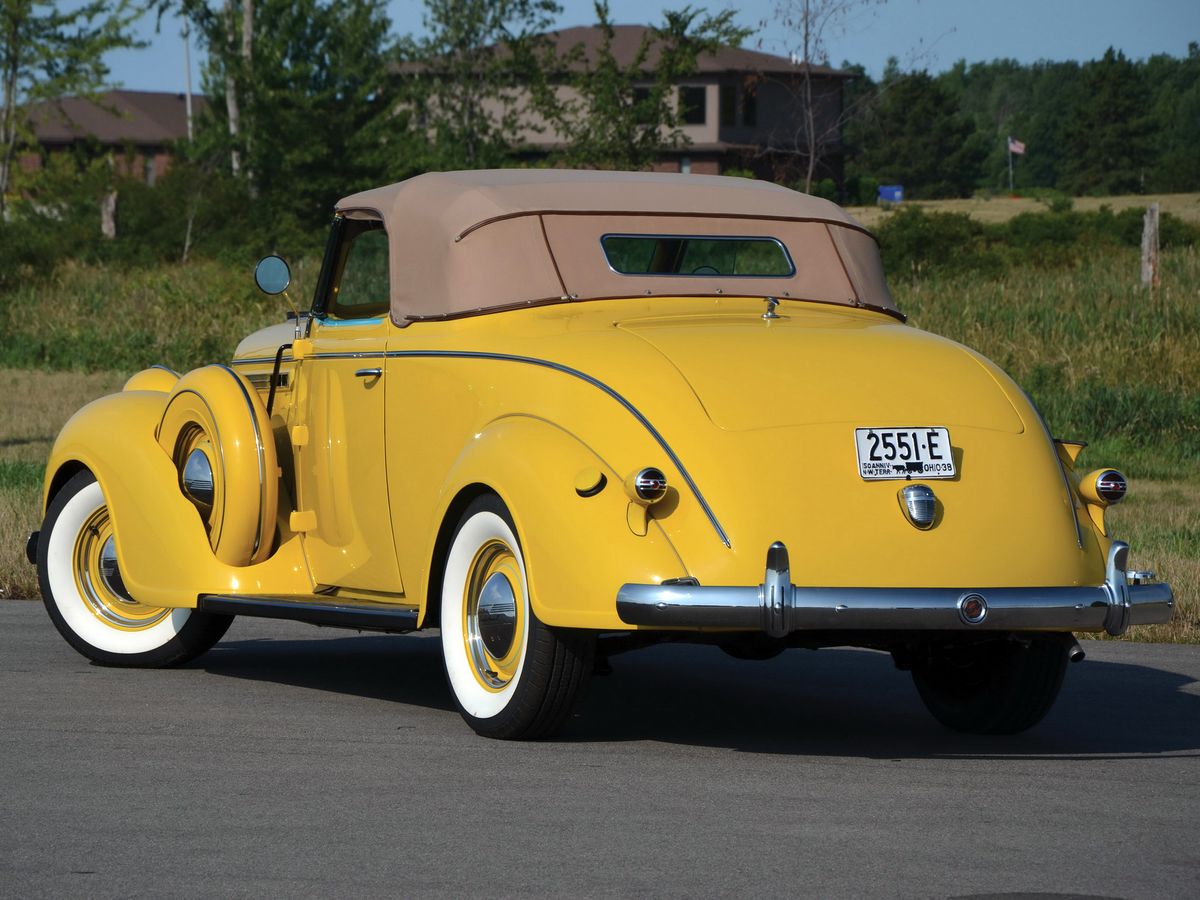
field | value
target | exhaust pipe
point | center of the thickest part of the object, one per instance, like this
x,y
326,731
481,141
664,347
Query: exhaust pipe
x,y
1075,652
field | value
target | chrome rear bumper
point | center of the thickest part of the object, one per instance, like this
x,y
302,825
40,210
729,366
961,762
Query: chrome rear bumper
x,y
779,607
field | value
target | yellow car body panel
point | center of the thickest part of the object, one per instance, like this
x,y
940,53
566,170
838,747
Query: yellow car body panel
x,y
523,401
794,483
340,471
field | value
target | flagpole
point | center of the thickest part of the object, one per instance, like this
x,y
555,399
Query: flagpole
x,y
1010,165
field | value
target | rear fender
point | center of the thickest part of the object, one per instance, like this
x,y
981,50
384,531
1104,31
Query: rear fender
x,y
578,550
162,547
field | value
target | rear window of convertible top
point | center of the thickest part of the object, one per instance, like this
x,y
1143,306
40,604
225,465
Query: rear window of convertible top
x,y
696,254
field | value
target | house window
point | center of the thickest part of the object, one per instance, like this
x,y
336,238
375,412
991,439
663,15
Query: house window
x,y
691,104
728,105
749,107
685,165
642,113
149,170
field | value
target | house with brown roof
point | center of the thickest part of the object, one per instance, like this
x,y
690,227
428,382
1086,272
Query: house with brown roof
x,y
138,128
742,108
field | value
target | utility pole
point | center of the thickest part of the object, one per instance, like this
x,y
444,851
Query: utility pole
x,y
187,73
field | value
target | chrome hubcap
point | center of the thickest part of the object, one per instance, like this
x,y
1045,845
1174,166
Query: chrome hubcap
x,y
497,615
198,478
493,615
110,575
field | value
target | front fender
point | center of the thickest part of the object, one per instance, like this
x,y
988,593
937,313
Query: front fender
x,y
578,550
162,548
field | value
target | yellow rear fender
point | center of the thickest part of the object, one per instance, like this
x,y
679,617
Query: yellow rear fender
x,y
535,468
163,548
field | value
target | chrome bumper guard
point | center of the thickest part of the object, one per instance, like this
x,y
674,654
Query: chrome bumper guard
x,y
779,607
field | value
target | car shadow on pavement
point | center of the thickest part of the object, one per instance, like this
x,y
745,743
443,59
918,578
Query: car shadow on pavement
x,y
392,668
842,702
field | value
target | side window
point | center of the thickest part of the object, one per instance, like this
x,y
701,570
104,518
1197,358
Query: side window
x,y
361,287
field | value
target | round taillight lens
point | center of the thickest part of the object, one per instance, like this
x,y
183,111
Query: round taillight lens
x,y
650,485
1111,486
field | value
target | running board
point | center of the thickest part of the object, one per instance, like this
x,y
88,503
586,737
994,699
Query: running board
x,y
363,616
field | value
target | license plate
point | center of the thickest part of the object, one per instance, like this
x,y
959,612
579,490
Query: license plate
x,y
903,453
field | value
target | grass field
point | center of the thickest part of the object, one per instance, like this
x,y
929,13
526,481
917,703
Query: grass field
x,y
1001,208
1105,361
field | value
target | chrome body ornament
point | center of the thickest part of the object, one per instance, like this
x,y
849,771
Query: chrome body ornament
x,y
919,504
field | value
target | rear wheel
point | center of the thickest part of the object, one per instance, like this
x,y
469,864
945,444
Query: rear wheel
x,y
86,597
998,687
512,676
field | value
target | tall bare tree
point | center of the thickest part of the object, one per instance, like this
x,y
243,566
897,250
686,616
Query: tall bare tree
x,y
808,26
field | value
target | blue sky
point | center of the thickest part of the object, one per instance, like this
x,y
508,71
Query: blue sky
x,y
930,34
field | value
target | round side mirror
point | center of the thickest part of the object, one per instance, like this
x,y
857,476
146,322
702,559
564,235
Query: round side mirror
x,y
272,275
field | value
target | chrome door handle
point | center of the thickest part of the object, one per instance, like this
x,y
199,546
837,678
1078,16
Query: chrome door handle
x,y
368,373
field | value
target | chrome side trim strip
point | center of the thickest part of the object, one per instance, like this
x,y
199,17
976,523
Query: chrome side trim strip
x,y
545,364
1071,496
599,385
779,608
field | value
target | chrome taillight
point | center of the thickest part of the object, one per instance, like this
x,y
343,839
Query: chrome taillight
x,y
647,485
1111,485
1103,487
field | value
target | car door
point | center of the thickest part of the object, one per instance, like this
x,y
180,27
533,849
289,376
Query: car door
x,y
343,510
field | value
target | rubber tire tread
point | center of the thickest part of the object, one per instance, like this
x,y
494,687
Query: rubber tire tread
x,y
1021,680
555,673
198,635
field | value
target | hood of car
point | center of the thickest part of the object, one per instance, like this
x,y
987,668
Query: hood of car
x,y
821,368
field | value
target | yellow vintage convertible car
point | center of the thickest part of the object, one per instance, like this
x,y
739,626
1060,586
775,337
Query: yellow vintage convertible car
x,y
562,414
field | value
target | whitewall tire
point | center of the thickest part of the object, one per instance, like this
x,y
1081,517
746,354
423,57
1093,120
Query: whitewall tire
x,y
511,675
87,599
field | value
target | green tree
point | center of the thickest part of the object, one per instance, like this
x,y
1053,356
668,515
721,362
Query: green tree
x,y
472,86
1107,140
46,54
915,136
305,95
623,116
1175,120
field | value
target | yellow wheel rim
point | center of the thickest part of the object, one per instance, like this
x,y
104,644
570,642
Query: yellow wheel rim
x,y
99,580
494,615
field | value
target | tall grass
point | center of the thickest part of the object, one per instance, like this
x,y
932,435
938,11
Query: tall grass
x,y
1105,360
91,318
34,405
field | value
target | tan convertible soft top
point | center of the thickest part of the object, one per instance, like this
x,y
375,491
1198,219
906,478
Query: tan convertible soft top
x,y
471,242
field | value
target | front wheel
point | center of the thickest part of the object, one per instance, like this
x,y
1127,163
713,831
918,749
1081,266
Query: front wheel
x,y
87,599
999,687
512,676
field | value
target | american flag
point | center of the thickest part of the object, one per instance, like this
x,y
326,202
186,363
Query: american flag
x,y
1015,146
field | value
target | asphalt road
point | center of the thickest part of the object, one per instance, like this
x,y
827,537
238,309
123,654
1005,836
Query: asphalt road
x,y
295,761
